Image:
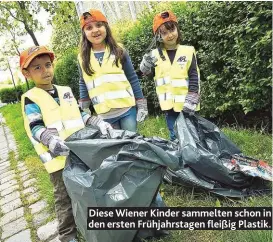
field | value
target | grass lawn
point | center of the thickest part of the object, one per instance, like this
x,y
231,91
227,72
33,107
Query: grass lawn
x,y
253,143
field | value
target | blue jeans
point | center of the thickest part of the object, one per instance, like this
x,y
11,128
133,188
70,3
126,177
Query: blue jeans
x,y
126,121
171,117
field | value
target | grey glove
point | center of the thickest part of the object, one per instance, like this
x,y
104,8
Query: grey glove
x,y
148,61
99,124
142,109
54,143
191,101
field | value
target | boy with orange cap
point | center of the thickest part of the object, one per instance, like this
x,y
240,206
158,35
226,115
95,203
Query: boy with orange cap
x,y
51,114
174,68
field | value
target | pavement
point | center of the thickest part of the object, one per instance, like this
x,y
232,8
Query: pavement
x,y
23,213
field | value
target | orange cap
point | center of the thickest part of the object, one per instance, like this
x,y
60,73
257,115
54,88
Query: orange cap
x,y
96,16
29,54
162,18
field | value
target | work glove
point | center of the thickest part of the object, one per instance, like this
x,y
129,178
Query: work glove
x,y
147,63
142,109
191,101
54,143
99,124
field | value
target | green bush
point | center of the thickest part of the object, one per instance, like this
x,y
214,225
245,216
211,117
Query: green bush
x,y
11,95
66,71
8,95
233,43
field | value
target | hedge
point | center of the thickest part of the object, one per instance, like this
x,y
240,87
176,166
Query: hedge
x,y
233,43
8,95
66,71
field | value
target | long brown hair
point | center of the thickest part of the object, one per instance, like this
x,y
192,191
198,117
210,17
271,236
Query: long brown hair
x,y
170,25
86,46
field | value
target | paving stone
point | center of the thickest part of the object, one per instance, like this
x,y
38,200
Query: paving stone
x,y
4,156
9,190
2,160
38,206
40,218
4,150
48,230
30,190
8,184
7,178
25,177
22,168
4,168
33,198
9,198
4,153
29,182
11,205
7,163
13,227
23,236
55,240
11,216
8,173
24,173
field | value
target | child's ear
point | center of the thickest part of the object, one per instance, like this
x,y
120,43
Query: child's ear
x,y
26,73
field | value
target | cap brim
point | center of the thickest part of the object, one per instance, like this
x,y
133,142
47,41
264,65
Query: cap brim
x,y
35,54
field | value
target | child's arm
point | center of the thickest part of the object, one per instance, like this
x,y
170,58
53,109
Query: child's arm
x,y
84,100
193,76
193,97
131,76
48,137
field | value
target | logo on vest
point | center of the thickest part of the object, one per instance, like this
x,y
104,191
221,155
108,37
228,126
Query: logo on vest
x,y
68,96
182,60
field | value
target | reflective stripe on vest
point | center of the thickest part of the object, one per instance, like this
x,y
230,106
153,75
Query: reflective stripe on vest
x,y
106,78
66,118
172,80
108,87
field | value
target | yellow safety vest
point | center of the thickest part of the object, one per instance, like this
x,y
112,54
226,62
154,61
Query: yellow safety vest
x,y
108,87
66,118
172,80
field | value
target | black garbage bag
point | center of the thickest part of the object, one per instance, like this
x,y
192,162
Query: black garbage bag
x,y
120,171
204,152
125,169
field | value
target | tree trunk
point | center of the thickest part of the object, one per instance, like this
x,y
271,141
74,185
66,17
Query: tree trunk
x,y
32,35
29,30
13,81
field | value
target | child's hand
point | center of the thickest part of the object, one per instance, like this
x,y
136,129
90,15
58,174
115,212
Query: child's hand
x,y
191,101
57,146
148,62
51,139
104,127
142,109
99,124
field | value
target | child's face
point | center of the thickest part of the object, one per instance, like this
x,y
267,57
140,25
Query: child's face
x,y
169,37
95,32
40,70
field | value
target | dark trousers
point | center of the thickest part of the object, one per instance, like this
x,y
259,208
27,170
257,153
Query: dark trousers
x,y
63,208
